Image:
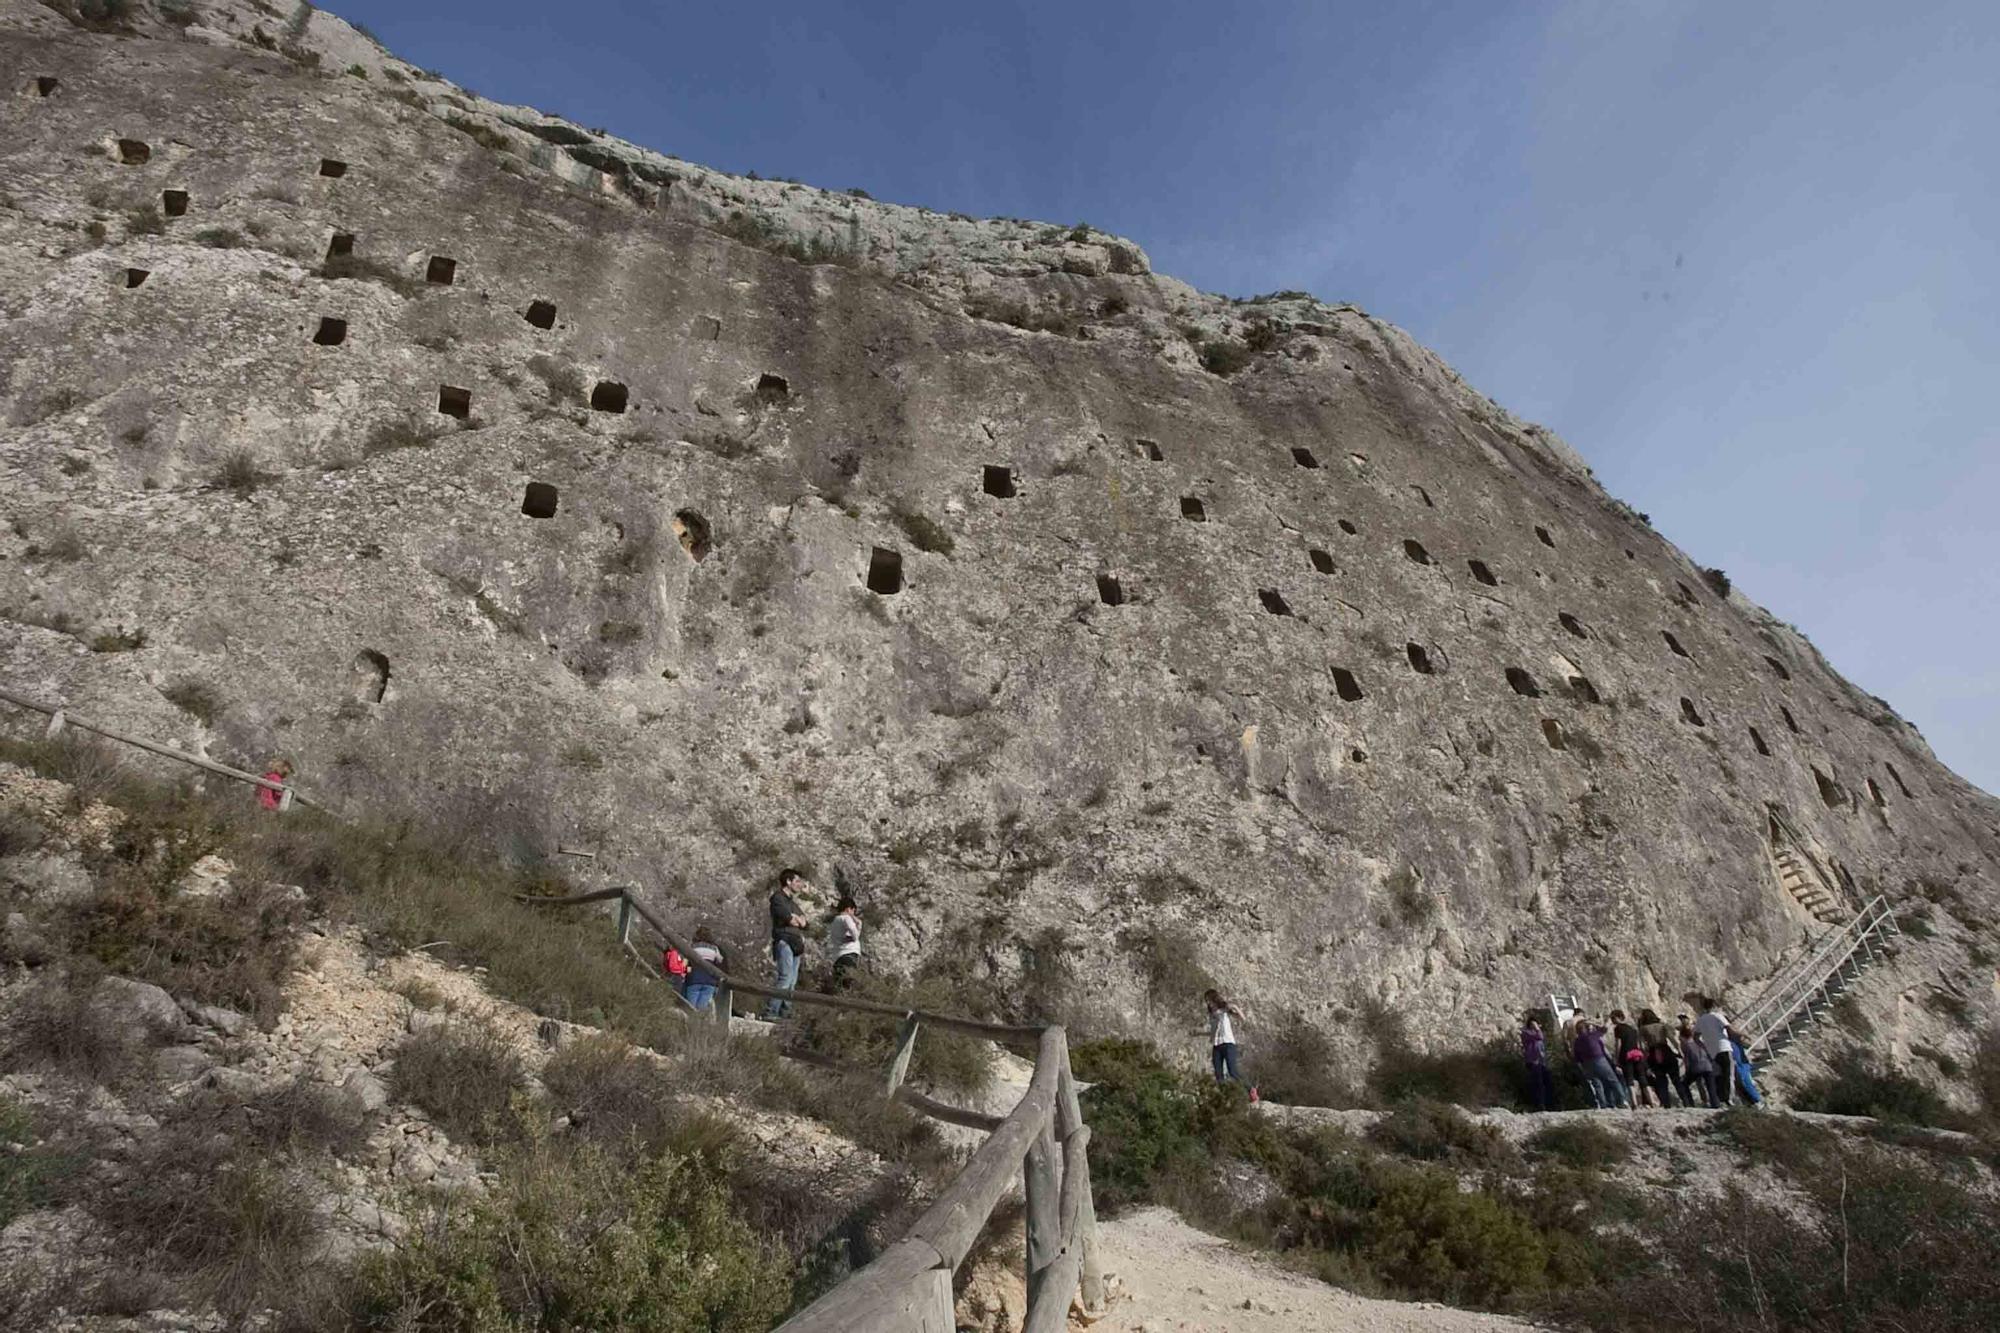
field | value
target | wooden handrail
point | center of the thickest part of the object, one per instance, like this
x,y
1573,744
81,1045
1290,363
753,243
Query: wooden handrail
x,y
62,718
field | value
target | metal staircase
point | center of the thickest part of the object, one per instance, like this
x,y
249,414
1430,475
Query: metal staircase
x,y
1802,994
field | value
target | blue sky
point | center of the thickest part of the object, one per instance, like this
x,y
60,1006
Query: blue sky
x,y
1743,257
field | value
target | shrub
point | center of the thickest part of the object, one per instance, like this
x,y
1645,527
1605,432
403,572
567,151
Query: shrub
x,y
1434,1132
942,1060
220,238
145,220
465,1074
1298,1064
482,134
923,532
1489,1074
120,640
1587,1146
31,1174
575,1237
1856,1085
391,435
352,267
621,1096
240,473
1223,356
1717,580
195,698
566,384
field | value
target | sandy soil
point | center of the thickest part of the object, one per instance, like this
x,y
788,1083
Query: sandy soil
x,y
1172,1278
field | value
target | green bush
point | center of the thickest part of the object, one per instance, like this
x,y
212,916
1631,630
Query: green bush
x,y
1490,1074
1298,1063
1225,356
1857,1085
241,474
1435,1132
1587,1146
575,1236
465,1073
31,1175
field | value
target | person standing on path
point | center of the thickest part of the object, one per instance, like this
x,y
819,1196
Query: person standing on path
x,y
270,798
1714,1030
1700,1068
1594,1064
843,941
788,941
704,971
1630,1059
1222,1037
1663,1059
1535,1055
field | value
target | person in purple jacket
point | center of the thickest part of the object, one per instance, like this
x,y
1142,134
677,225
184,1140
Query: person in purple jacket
x,y
1594,1063
1534,1053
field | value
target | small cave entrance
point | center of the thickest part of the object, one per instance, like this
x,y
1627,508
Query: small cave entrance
x,y
1415,551
1675,644
692,531
1304,458
331,332
1875,792
1689,713
773,388
997,481
541,314
1778,668
1109,590
1523,683
1420,659
1151,450
1346,686
174,203
608,396
539,500
1273,603
1581,688
885,572
1897,778
332,168
1572,624
1193,510
136,277
134,152
441,270
1687,597
340,245
1757,742
1423,495
1320,560
706,328
454,401
368,676
1791,724
1482,573
46,85
1542,535
1553,733
1349,528
1830,793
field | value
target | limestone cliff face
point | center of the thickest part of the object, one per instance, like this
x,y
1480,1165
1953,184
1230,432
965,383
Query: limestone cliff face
x,y
491,467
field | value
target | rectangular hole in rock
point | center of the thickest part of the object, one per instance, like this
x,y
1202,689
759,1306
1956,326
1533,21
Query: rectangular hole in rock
x,y
541,314
1321,560
1420,659
1757,742
1689,713
1192,510
134,152
1542,535
1572,624
331,333
341,244
45,86
454,401
441,270
608,396
1416,552
707,328
771,388
1674,644
1897,778
1346,686
1790,723
692,530
135,277
1552,731
174,203
539,500
332,168
1482,573
1151,449
885,571
1523,683
1349,528
1875,792
997,481
1304,458
1778,668
1581,687
1423,495
1830,793
1273,603
1109,591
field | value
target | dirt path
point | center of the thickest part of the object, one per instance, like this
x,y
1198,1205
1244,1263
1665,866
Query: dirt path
x,y
1175,1279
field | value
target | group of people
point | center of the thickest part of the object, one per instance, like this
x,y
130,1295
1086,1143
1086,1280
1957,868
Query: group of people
x,y
1629,1063
696,978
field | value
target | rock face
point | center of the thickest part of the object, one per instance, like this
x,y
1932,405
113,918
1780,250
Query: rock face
x,y
496,470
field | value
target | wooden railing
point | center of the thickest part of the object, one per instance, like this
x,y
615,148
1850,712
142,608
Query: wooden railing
x,y
61,719
1042,1142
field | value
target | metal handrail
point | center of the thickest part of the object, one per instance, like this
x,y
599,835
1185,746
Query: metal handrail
x,y
1784,998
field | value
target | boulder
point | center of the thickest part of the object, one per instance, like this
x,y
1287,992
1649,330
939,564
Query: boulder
x,y
21,942
370,1093
137,1009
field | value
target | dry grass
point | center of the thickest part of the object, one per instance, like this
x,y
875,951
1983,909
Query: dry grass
x,y
465,1074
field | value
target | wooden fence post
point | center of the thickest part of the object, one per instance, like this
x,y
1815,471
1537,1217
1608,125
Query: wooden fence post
x,y
624,919
55,725
1069,1123
725,1000
906,1045
284,799
1044,1190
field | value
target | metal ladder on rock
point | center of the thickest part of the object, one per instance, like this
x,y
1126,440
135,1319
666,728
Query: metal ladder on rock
x,y
1802,994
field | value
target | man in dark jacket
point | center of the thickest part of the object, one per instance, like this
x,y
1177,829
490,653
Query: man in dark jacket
x,y
788,944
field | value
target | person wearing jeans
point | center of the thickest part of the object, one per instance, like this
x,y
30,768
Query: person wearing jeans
x,y
703,971
1595,1065
1222,1038
1534,1054
788,941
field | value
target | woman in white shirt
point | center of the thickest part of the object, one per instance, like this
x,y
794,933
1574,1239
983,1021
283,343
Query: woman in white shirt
x,y
843,941
1222,1037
